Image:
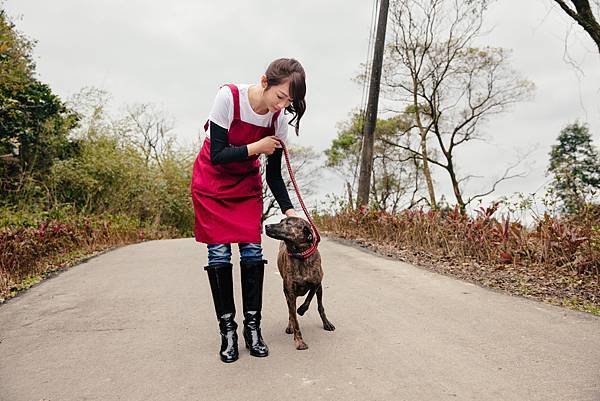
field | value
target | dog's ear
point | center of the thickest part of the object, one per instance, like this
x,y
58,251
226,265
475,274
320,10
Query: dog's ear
x,y
308,233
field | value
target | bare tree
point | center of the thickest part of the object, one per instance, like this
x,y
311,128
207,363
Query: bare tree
x,y
447,85
307,172
149,130
419,27
583,14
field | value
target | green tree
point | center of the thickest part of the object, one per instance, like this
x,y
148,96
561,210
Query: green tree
x,y
343,156
575,164
116,172
34,123
395,184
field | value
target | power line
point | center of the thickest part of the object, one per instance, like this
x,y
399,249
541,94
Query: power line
x,y
364,98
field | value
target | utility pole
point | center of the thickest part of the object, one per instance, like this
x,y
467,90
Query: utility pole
x,y
366,162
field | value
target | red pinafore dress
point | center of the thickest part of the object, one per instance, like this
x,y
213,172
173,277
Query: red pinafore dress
x,y
228,197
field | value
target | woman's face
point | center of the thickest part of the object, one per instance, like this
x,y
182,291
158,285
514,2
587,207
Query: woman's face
x,y
276,97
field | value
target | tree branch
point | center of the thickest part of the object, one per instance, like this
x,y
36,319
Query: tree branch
x,y
584,16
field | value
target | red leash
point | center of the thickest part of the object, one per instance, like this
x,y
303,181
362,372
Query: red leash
x,y
316,237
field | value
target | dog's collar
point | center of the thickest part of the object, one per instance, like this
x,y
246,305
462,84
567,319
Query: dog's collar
x,y
306,253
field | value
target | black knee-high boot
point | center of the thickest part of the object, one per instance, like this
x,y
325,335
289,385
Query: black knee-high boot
x,y
221,286
252,273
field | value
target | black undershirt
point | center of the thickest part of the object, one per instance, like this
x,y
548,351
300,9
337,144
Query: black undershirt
x,y
222,152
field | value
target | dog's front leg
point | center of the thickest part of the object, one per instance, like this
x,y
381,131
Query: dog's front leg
x,y
291,301
304,307
327,325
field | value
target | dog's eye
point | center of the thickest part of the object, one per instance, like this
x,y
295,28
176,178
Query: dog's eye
x,y
308,233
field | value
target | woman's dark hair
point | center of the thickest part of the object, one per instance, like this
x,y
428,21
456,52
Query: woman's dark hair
x,y
290,69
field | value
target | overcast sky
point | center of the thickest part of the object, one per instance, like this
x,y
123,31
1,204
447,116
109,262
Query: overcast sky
x,y
176,54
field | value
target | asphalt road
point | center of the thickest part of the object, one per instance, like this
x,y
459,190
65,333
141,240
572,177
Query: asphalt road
x,y
138,323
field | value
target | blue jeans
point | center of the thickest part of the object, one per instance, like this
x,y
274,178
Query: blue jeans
x,y
221,253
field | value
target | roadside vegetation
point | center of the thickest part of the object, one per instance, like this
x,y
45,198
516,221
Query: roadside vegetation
x,y
75,179
557,260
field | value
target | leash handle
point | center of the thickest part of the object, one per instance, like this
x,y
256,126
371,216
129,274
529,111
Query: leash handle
x,y
316,236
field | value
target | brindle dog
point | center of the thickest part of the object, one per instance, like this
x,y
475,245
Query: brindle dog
x,y
299,275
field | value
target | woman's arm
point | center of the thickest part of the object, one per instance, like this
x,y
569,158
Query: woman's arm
x,y
276,184
220,150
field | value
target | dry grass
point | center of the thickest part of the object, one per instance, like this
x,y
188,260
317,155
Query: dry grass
x,y
558,261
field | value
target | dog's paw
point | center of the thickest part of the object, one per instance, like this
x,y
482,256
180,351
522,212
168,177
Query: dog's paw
x,y
328,326
302,310
300,345
289,330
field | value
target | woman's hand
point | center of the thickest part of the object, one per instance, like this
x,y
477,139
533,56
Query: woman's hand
x,y
291,213
266,145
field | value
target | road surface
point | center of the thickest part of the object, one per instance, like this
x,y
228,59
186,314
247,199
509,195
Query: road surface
x,y
138,323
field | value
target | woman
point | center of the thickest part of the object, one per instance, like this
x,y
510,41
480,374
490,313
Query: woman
x,y
227,190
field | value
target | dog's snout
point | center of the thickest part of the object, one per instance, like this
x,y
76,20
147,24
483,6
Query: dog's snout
x,y
272,230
